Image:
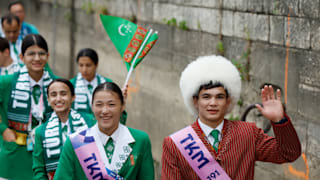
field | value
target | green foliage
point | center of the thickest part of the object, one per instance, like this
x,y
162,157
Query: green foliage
x,y
199,25
133,19
276,7
242,68
240,102
173,22
220,48
67,16
88,7
183,25
243,64
103,10
233,117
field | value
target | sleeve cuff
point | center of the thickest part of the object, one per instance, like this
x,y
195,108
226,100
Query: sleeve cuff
x,y
283,121
2,128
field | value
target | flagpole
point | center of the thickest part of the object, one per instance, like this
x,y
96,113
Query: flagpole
x,y
136,57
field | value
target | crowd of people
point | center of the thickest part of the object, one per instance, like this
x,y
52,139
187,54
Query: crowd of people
x,y
54,128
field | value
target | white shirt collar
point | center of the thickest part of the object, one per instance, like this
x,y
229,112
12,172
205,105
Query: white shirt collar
x,y
13,67
65,124
94,81
9,66
120,134
33,82
207,129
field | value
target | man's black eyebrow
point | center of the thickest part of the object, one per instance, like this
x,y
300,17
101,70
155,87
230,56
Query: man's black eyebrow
x,y
219,94
207,94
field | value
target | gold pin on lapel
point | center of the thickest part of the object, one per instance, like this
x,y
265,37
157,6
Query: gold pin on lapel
x,y
132,160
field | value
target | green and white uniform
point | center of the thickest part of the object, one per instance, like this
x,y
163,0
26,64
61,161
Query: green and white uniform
x,y
131,158
16,106
15,50
49,140
12,68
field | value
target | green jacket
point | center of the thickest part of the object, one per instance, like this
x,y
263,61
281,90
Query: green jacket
x,y
16,161
39,166
70,168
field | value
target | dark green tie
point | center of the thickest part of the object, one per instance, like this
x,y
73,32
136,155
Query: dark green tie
x,y
90,88
109,148
35,122
65,130
36,92
215,134
15,49
6,71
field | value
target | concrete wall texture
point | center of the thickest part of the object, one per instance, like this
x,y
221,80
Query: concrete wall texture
x,y
263,35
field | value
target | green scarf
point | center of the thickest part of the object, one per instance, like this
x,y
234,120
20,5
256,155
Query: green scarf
x,y
51,135
19,107
83,96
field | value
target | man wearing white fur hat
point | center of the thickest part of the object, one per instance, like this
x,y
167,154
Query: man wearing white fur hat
x,y
214,147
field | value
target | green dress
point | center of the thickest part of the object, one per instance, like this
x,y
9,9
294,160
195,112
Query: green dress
x,y
39,165
16,161
70,169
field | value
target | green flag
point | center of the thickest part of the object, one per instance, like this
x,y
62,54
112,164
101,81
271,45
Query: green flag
x,y
128,38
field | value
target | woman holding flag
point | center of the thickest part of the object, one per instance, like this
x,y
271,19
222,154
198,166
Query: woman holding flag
x,y
108,150
87,80
50,136
23,106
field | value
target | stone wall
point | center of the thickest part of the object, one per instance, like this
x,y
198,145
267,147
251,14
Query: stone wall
x,y
260,34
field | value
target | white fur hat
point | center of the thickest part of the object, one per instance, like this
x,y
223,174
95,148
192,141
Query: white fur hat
x,y
205,69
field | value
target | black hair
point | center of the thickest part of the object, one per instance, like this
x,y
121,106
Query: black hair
x,y
14,3
92,54
211,85
108,86
33,39
65,81
4,44
10,18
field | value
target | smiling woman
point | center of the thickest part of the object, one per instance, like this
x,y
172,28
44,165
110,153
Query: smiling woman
x,y
50,136
23,107
121,151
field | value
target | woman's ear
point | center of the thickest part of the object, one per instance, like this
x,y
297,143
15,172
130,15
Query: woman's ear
x,y
123,107
21,57
73,98
7,52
